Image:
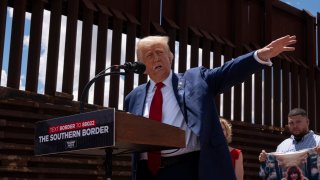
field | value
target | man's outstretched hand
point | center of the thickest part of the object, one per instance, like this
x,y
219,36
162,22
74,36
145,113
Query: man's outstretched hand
x,y
276,47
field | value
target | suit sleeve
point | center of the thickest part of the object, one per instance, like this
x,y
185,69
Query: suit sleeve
x,y
232,73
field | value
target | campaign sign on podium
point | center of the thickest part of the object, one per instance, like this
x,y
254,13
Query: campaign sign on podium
x,y
77,132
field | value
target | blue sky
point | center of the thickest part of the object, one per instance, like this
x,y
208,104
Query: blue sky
x,y
313,6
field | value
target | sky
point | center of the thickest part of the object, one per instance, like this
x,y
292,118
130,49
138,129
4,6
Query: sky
x,y
44,51
313,6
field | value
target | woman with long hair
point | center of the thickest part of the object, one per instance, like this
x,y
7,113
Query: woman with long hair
x,y
294,173
236,154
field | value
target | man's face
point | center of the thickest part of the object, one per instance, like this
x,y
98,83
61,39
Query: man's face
x,y
298,125
158,62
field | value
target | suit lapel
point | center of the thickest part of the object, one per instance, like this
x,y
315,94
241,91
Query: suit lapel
x,y
178,84
141,98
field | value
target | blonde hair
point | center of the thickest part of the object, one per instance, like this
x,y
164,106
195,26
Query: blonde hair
x,y
228,127
150,41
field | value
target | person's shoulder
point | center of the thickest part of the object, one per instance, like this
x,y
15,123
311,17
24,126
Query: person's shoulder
x,y
286,140
136,90
140,87
285,143
201,71
311,132
316,137
195,69
236,150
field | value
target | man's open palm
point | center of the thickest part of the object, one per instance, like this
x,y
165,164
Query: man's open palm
x,y
276,47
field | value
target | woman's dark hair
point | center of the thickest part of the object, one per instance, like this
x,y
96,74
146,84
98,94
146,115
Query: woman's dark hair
x,y
294,170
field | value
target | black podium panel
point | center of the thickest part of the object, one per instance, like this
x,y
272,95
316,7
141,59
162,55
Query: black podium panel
x,y
77,132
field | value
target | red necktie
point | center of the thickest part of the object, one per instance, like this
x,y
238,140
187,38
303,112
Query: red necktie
x,y
154,158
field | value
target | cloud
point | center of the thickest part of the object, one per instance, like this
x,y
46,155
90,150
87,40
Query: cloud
x,y
108,64
44,50
61,52
26,40
22,84
3,78
44,56
27,17
77,61
10,11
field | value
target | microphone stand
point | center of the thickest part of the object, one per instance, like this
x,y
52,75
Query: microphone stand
x,y
84,93
84,96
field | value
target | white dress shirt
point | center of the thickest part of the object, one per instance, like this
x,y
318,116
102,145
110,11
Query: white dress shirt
x,y
172,115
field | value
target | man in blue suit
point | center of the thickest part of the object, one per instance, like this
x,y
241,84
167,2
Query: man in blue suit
x,y
188,103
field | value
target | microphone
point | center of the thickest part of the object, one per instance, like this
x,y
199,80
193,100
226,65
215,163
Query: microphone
x,y
136,67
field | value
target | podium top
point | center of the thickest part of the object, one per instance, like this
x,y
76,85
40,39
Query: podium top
x,y
144,134
92,132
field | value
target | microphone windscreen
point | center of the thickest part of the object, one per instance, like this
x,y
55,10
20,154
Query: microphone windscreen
x,y
139,67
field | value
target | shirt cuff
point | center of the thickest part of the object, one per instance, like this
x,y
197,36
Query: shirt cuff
x,y
268,62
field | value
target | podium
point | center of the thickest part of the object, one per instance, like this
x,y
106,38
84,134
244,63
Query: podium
x,y
105,132
125,132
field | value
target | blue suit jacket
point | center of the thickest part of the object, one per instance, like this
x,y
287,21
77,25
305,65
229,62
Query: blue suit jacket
x,y
195,91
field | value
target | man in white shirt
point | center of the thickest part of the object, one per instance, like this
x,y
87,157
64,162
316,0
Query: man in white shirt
x,y
301,137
